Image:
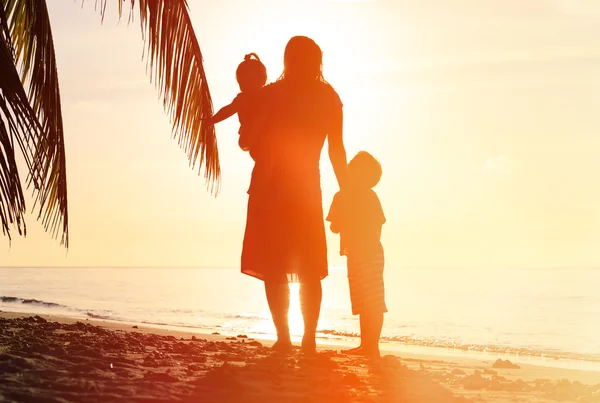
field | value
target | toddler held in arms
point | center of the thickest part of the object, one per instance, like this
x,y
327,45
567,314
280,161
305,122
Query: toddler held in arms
x,y
356,214
251,76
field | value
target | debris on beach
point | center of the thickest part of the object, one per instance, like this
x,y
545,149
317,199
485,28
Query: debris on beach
x,y
505,364
83,362
75,362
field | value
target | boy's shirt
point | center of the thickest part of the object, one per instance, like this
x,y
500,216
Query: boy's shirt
x,y
358,217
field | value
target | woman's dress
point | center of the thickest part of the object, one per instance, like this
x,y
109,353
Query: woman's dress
x,y
285,232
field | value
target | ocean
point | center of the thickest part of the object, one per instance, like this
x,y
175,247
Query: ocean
x,y
548,315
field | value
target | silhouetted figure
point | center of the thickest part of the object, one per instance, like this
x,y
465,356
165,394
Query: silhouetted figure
x,y
251,76
356,214
285,230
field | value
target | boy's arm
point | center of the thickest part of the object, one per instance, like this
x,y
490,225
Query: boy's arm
x,y
374,213
224,113
379,215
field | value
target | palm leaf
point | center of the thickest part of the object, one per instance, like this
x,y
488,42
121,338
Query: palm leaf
x,y
175,65
18,122
31,35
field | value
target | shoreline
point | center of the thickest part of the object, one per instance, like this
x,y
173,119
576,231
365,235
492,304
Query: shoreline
x,y
386,346
464,378
471,331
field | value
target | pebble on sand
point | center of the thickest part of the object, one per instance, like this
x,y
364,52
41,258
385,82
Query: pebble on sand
x,y
505,364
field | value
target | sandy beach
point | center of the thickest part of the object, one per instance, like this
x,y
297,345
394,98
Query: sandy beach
x,y
58,359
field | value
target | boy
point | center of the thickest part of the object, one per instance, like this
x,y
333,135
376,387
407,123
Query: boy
x,y
356,214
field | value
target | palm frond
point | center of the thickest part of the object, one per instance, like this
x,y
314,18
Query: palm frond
x,y
175,64
31,36
18,123
12,204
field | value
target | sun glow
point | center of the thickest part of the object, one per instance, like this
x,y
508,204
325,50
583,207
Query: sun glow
x,y
265,327
431,100
295,314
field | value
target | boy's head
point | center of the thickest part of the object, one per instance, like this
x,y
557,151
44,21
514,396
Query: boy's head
x,y
364,171
251,74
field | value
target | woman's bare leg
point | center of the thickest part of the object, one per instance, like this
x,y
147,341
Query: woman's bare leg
x,y
310,303
278,298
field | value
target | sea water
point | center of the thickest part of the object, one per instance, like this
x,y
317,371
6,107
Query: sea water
x,y
550,313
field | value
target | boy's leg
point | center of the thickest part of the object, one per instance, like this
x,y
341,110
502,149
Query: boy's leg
x,y
372,333
363,332
364,329
369,290
310,304
356,299
376,306
278,298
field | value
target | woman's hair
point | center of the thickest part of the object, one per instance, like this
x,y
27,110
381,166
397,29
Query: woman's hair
x,y
364,170
251,73
302,60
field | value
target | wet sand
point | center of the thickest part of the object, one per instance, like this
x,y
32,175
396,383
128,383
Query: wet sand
x,y
55,359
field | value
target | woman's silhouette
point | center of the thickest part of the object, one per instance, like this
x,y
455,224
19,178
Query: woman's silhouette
x,y
285,234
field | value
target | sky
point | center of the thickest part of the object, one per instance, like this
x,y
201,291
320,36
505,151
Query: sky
x,y
483,114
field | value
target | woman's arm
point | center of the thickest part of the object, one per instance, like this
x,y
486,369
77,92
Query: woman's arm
x,y
335,214
337,152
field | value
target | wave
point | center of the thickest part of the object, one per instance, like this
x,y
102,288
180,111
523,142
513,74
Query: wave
x,y
480,348
98,316
17,300
323,334
332,332
245,316
54,306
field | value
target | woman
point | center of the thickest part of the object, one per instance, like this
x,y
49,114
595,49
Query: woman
x,y
285,233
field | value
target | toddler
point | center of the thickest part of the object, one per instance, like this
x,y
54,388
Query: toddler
x,y
251,76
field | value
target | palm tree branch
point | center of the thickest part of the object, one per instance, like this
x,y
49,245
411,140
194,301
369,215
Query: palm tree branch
x,y
34,46
18,123
12,203
176,66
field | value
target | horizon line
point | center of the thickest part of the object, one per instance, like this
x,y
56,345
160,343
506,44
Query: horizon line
x,y
332,267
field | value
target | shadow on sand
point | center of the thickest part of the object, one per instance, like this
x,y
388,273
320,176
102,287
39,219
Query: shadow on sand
x,y
326,377
44,361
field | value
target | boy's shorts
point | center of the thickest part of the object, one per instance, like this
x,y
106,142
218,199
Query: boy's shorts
x,y
367,293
